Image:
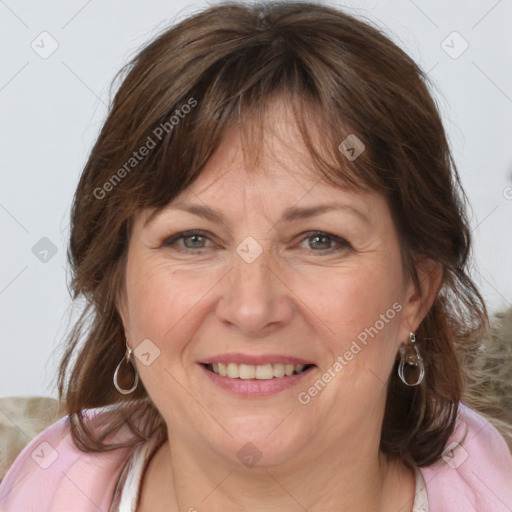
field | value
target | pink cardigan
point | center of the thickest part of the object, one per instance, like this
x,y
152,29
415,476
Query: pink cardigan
x,y
52,474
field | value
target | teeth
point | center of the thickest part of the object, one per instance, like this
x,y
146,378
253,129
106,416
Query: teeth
x,y
247,371
233,372
278,370
223,370
264,372
261,372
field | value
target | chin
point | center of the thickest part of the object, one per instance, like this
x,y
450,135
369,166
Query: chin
x,y
263,441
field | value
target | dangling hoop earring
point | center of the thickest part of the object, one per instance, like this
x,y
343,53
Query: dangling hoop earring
x,y
413,359
126,359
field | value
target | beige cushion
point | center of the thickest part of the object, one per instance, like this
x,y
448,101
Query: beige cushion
x,y
21,419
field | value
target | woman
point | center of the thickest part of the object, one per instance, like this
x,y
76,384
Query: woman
x,y
271,239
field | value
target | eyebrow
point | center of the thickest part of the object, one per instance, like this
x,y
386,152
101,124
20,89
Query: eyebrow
x,y
291,214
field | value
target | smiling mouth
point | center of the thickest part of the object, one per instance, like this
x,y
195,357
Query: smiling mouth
x,y
260,372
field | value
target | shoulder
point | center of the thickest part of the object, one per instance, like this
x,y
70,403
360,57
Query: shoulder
x,y
475,472
52,473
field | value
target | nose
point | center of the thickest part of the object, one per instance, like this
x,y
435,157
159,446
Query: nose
x,y
255,299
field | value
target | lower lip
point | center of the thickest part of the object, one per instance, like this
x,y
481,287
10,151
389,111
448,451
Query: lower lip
x,y
256,387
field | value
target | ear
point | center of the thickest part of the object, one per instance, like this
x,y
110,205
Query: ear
x,y
418,301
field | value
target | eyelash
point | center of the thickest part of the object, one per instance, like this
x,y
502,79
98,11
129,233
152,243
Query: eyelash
x,y
343,244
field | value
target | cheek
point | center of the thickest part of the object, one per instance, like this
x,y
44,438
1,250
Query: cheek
x,y
364,316
357,300
162,299
362,310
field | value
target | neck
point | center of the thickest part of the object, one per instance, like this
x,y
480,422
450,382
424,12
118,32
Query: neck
x,y
348,479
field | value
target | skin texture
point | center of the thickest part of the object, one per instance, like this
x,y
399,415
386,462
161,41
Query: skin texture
x,y
299,297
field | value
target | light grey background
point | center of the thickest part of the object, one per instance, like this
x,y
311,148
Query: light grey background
x,y
52,109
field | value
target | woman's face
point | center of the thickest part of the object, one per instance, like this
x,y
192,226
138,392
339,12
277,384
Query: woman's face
x,y
273,285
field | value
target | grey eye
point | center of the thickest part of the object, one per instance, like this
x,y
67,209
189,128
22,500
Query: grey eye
x,y
197,241
322,241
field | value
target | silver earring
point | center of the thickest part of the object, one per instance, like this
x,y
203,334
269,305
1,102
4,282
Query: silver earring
x,y
412,358
127,359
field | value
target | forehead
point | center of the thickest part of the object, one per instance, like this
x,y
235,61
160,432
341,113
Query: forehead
x,y
280,160
227,191
263,161
268,145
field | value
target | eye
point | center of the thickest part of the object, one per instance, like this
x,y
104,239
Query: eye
x,y
318,242
323,242
192,240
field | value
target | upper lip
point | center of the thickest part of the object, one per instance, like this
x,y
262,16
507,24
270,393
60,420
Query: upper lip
x,y
254,359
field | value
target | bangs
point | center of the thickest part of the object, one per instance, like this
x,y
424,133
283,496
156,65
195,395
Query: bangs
x,y
240,91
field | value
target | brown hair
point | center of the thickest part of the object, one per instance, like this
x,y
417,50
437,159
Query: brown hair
x,y
342,76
